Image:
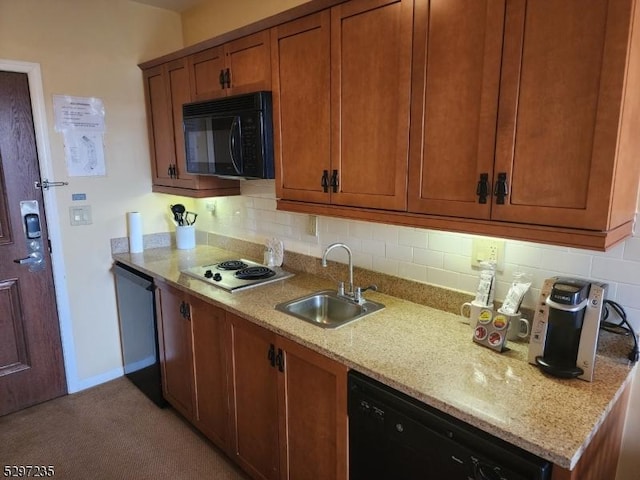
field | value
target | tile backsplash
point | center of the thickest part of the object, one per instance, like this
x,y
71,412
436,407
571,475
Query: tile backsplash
x,y
434,257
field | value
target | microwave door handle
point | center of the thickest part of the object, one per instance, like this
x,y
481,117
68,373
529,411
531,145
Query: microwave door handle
x,y
235,127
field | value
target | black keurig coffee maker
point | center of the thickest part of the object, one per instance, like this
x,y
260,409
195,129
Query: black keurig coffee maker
x,y
564,334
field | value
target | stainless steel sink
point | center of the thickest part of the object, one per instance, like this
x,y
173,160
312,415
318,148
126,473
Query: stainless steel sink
x,y
327,309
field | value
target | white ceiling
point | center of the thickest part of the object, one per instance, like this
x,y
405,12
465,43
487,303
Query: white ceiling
x,y
174,5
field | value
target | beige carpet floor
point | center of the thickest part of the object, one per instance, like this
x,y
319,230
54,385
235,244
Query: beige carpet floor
x,y
110,432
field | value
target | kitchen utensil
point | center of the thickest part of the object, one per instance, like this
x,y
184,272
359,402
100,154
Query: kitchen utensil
x,y
178,213
192,220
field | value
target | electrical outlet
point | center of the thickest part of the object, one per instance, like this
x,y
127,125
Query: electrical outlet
x,y
487,250
312,226
211,206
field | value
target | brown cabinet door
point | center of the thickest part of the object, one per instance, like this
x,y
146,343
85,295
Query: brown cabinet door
x,y
456,74
167,88
207,74
254,400
301,107
176,356
179,93
240,66
249,62
313,418
370,96
210,354
561,94
160,124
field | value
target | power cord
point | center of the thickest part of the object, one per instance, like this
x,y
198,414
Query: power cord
x,y
623,327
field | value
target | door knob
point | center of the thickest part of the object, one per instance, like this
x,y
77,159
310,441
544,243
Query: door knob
x,y
33,259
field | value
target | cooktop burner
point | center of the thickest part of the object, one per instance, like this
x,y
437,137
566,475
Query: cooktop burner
x,y
254,273
234,275
232,265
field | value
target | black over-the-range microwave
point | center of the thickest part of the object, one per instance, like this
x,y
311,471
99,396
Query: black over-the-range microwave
x,y
230,137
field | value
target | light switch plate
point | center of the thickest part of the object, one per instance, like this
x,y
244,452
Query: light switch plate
x,y
487,250
80,215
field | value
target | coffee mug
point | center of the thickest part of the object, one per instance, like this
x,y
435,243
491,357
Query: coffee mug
x,y
476,312
518,327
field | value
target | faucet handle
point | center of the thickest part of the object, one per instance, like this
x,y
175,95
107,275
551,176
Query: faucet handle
x,y
360,290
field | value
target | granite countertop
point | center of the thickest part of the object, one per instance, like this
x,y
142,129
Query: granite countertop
x,y
425,353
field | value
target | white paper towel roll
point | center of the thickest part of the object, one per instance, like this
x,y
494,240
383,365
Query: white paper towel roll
x,y
134,222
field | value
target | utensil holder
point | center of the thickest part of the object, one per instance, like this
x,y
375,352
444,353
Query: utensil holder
x,y
185,237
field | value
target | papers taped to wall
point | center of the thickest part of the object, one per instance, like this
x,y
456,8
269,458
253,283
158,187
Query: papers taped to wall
x,y
81,122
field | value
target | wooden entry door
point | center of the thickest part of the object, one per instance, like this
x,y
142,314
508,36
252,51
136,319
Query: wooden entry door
x,y
31,362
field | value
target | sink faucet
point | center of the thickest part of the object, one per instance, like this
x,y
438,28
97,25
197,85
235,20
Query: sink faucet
x,y
324,264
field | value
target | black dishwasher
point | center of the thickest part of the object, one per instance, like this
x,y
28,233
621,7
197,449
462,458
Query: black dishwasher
x,y
138,337
394,436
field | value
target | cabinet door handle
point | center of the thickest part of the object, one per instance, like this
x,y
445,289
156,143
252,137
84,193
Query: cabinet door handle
x,y
184,311
221,79
502,189
482,190
271,355
170,171
227,77
334,181
325,181
280,360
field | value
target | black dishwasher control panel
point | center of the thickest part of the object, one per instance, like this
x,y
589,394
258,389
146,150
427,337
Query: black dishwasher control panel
x,y
392,435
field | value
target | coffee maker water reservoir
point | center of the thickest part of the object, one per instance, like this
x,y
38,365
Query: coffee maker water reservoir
x,y
564,334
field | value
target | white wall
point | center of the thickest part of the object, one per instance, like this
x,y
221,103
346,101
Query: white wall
x,y
92,49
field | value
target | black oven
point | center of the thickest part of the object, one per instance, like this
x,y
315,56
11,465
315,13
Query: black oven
x,y
392,435
230,137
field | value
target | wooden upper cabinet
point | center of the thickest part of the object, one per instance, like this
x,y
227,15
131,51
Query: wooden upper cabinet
x,y
528,101
167,88
456,73
249,62
301,107
240,66
179,93
370,97
159,123
207,74
341,82
563,87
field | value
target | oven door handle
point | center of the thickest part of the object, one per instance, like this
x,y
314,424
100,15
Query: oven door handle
x,y
235,132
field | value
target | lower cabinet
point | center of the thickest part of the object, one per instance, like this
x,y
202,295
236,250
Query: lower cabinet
x,y
176,349
289,406
277,408
210,335
193,337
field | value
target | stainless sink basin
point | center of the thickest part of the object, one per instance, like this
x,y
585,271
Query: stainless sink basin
x,y
327,309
